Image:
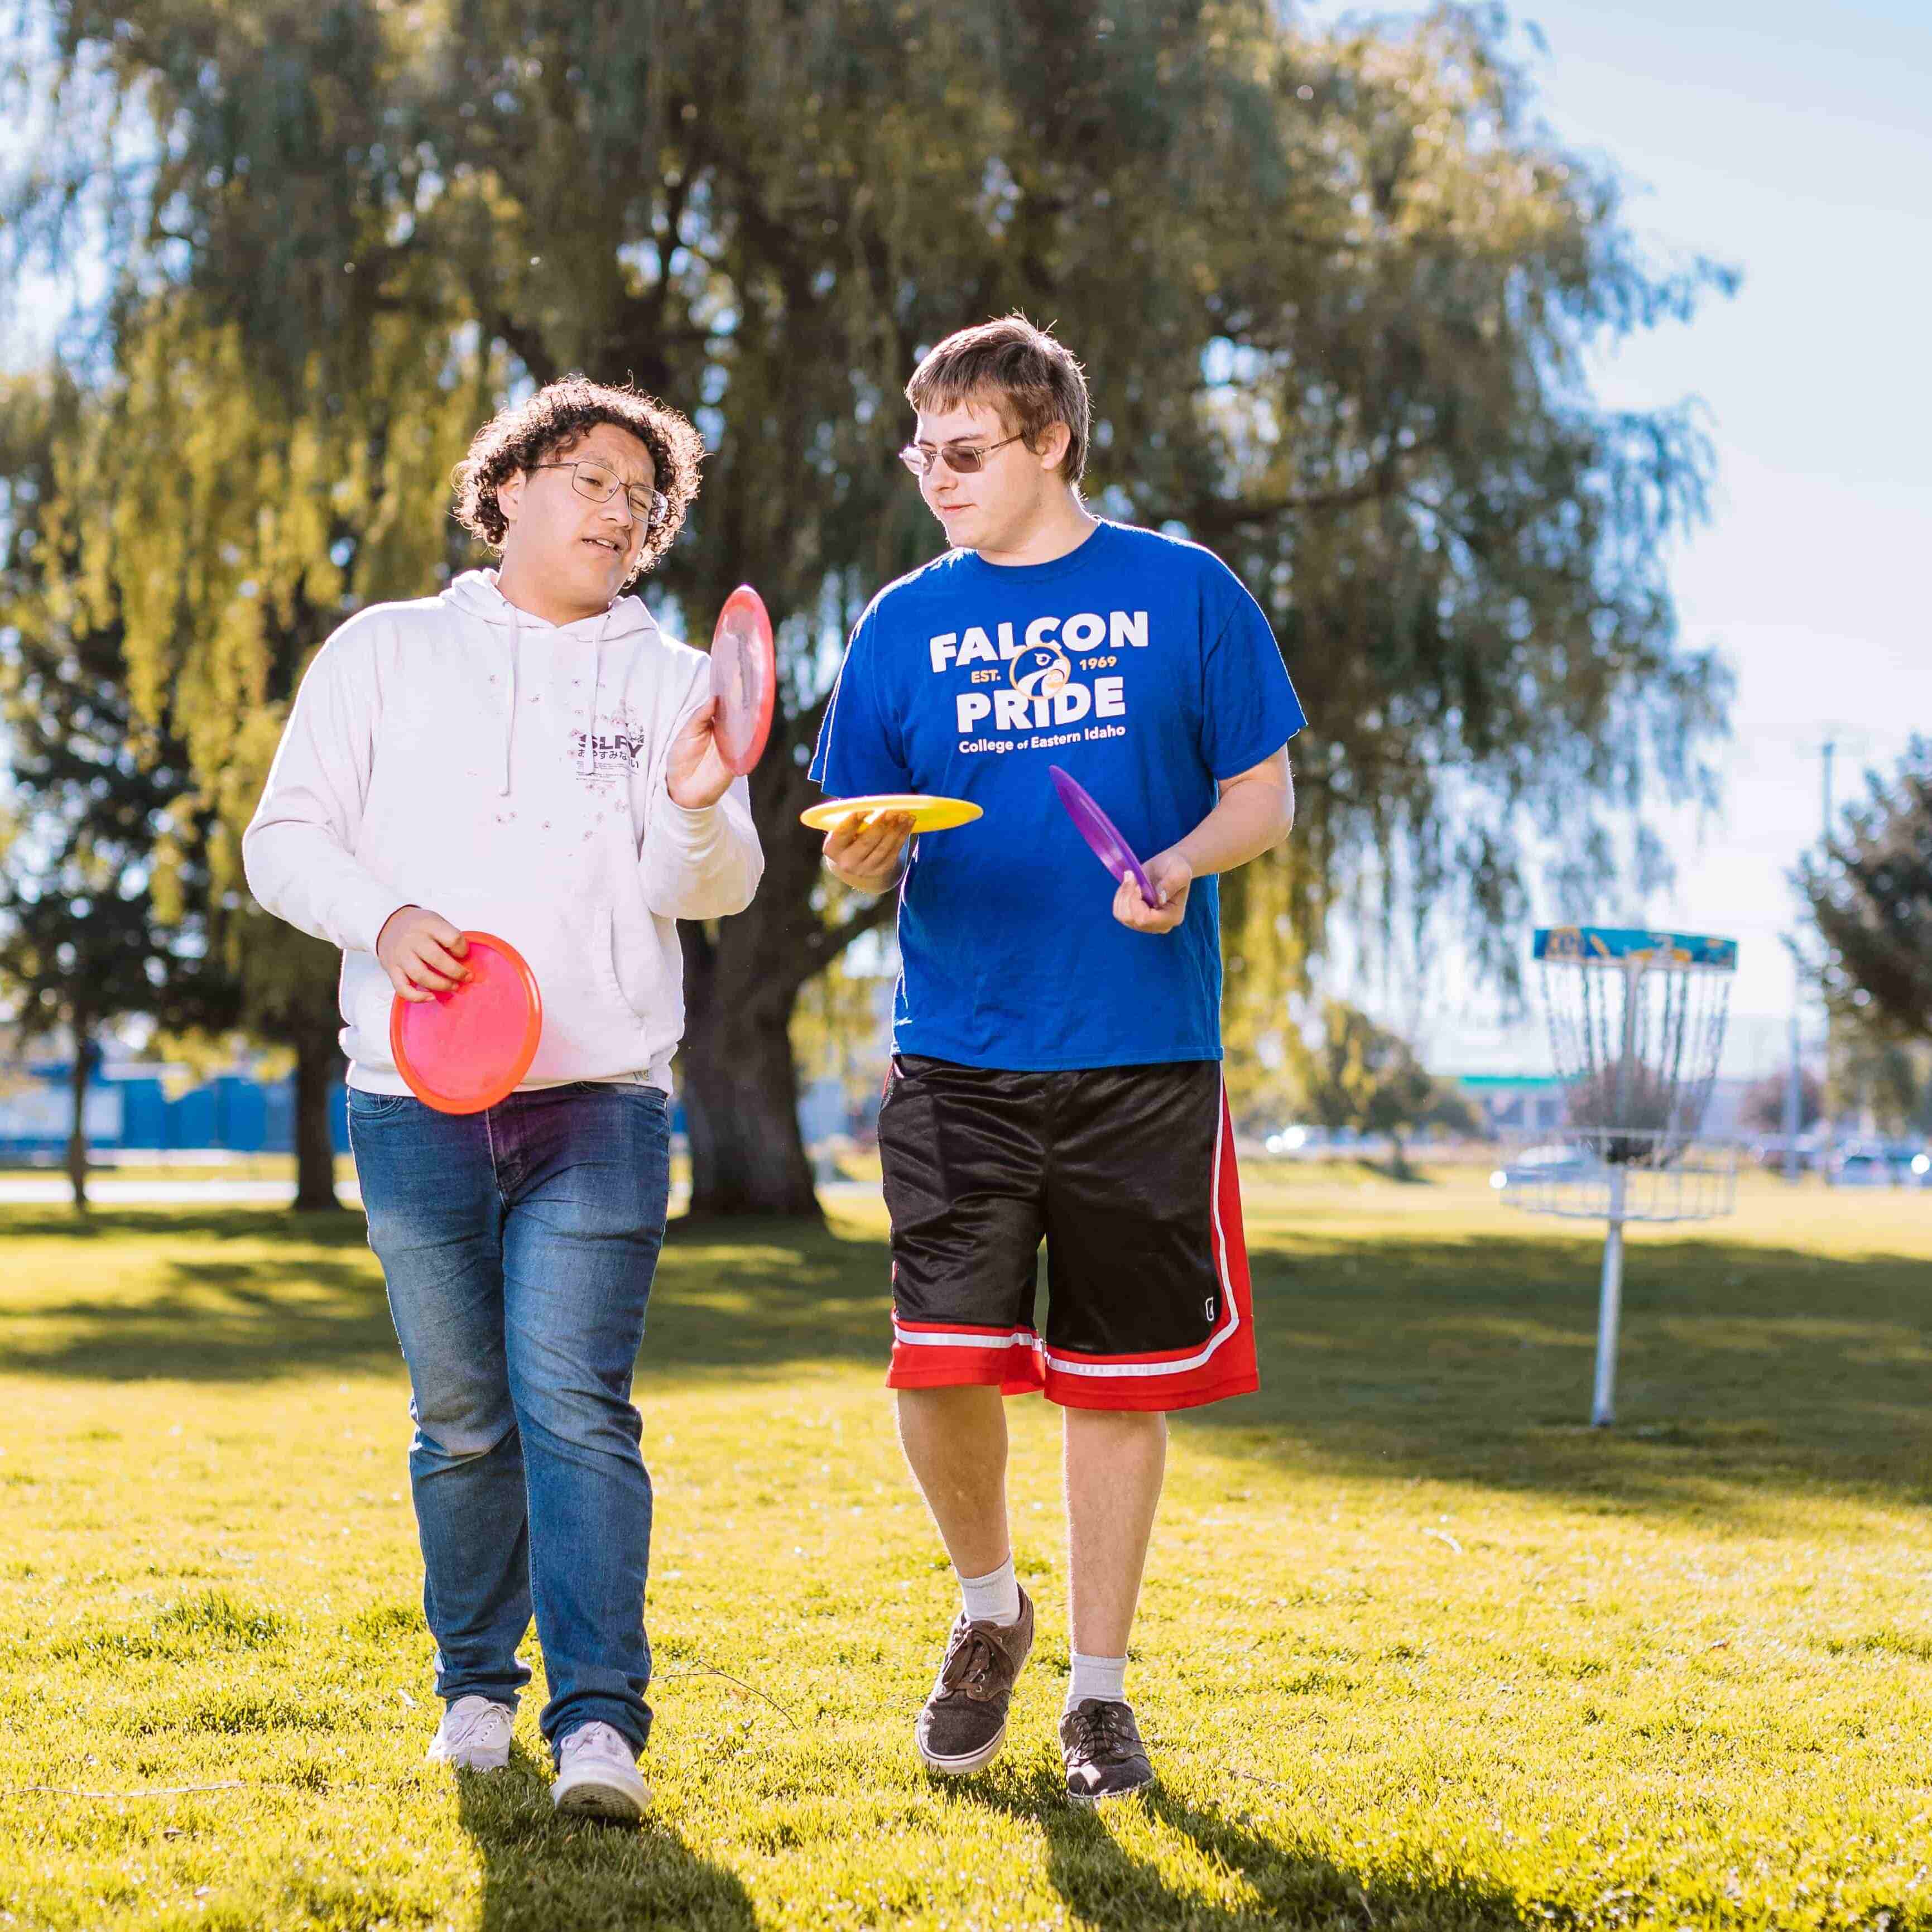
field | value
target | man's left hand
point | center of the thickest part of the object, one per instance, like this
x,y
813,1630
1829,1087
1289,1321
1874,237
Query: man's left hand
x,y
1170,875
695,774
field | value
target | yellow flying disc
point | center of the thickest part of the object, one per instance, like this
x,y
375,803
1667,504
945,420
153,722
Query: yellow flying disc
x,y
928,813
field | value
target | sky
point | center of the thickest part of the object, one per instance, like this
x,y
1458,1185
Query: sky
x,y
1795,142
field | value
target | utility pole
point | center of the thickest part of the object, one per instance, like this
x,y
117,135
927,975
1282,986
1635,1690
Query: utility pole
x,y
1826,751
1837,738
1794,1094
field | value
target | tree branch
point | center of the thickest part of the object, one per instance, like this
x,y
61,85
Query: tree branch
x,y
825,945
1222,516
526,343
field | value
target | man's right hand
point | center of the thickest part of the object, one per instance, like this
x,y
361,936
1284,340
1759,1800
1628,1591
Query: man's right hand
x,y
421,952
864,852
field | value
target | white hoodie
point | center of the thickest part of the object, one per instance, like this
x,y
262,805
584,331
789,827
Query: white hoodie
x,y
459,753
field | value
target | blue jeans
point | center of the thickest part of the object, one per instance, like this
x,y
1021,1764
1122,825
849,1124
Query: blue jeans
x,y
518,1245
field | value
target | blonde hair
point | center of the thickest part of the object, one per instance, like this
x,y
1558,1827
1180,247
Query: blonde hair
x,y
1033,378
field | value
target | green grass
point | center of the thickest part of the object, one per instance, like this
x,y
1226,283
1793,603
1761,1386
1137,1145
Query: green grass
x,y
1417,1649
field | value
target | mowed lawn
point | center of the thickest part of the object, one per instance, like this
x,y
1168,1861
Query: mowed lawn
x,y
1418,1649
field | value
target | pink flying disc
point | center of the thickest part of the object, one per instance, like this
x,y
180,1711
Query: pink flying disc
x,y
1097,829
744,679
465,1049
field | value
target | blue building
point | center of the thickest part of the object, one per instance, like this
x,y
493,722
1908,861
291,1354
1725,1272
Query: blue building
x,y
128,1107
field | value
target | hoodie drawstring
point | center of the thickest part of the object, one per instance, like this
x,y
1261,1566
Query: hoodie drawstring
x,y
597,679
475,594
510,718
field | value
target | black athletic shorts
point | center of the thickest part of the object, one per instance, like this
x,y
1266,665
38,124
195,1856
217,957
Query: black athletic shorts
x,y
1127,1173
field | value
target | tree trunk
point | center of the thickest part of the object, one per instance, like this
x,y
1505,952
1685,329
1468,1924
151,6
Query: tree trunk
x,y
740,1086
76,1139
318,1066
742,977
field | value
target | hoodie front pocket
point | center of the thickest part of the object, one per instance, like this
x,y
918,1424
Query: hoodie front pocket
x,y
607,957
367,999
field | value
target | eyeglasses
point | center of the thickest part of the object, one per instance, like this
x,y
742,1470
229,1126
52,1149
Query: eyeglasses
x,y
963,459
600,483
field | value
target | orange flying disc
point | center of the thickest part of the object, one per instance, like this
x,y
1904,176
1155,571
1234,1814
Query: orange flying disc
x,y
466,1049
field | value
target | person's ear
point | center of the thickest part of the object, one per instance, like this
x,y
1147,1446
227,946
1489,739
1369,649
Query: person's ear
x,y
1055,440
510,495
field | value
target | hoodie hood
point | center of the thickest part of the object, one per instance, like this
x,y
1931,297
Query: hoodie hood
x,y
474,595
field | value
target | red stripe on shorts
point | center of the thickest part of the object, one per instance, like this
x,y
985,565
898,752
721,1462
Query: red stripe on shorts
x,y
1223,1366
957,1355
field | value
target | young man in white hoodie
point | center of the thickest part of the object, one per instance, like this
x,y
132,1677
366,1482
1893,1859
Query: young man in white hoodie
x,y
529,754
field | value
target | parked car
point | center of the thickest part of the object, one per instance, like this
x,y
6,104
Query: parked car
x,y
1882,1164
1555,1161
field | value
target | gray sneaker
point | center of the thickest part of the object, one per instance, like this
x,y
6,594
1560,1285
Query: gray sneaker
x,y
1104,1756
474,1735
964,1721
597,1775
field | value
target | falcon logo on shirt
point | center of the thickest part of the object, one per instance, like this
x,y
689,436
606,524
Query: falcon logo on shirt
x,y
1040,670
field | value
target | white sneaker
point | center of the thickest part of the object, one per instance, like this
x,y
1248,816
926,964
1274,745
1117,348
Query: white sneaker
x,y
474,1735
597,1775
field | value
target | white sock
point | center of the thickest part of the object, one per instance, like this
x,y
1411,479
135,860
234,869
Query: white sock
x,y
994,1598
1103,1677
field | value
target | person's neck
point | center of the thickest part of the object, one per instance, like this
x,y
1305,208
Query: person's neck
x,y
1064,524
528,594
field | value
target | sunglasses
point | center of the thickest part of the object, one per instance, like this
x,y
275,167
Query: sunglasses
x,y
600,483
963,459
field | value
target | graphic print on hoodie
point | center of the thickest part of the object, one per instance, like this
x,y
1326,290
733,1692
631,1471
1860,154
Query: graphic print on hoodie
x,y
459,753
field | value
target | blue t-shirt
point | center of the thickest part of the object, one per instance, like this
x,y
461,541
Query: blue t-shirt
x,y
1141,665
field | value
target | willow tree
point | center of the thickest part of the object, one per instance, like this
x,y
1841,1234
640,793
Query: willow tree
x,y
1333,293
93,927
214,532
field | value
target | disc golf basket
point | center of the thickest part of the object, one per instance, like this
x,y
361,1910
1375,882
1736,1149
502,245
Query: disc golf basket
x,y
1636,1023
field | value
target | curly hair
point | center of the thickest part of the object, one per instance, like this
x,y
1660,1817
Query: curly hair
x,y
554,421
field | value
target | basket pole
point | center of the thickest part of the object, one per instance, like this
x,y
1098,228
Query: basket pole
x,y
1636,1084
1609,1303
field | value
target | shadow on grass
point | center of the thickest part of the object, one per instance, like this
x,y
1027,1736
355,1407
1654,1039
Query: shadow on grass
x,y
541,1873
1742,1366
208,1294
1280,1882
240,1294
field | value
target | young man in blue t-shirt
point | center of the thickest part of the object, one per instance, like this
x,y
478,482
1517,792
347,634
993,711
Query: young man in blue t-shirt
x,y
1056,1072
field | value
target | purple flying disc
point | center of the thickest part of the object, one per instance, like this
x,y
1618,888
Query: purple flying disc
x,y
1097,829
